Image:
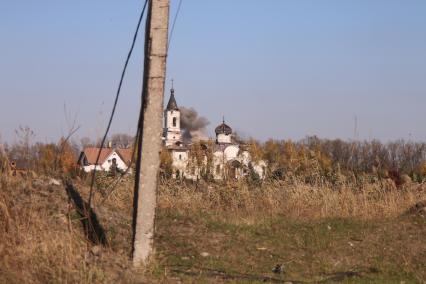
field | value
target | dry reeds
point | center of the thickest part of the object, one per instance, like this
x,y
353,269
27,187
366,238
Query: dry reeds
x,y
41,239
292,200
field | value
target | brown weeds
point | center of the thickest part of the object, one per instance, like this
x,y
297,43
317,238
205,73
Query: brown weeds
x,y
292,200
42,240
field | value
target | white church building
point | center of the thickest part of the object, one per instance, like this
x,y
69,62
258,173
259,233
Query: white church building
x,y
228,160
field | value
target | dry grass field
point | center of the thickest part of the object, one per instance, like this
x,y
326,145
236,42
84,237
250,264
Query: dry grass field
x,y
215,233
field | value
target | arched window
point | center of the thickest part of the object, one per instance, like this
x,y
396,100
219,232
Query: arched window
x,y
174,121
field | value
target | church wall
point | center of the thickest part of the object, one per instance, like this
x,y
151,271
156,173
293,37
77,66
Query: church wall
x,y
218,160
172,132
231,152
169,115
172,138
223,138
179,160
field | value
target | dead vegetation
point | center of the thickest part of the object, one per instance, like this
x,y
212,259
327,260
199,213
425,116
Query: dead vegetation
x,y
293,200
230,232
42,240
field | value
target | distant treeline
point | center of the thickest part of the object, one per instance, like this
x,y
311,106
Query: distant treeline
x,y
315,158
50,158
312,160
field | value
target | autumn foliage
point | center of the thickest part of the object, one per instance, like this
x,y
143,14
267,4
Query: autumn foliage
x,y
45,158
316,160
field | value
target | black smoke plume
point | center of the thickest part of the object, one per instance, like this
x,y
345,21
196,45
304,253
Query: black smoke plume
x,y
193,126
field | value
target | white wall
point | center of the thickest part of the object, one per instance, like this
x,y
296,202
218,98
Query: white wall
x,y
180,160
260,168
231,152
223,138
172,133
90,168
169,115
107,164
218,164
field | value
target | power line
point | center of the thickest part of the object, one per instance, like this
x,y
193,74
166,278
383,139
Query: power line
x,y
116,100
113,186
174,23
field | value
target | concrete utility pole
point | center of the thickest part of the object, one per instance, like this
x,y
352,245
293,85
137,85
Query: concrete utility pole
x,y
150,130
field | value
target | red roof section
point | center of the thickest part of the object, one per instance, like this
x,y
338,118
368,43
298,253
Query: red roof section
x,y
126,155
91,154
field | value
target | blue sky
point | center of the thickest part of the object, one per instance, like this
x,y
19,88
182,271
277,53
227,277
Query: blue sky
x,y
275,68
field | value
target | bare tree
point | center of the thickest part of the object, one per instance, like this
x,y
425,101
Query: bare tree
x,y
86,142
121,140
23,153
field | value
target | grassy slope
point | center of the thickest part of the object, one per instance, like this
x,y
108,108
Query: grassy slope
x,y
42,241
352,251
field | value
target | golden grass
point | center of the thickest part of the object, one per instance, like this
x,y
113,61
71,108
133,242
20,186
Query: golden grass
x,y
42,241
293,200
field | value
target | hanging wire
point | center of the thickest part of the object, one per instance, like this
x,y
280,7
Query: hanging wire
x,y
113,186
174,23
116,100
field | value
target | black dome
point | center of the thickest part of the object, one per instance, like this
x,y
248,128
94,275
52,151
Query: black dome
x,y
172,105
223,129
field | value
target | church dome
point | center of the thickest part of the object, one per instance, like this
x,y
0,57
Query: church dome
x,y
223,129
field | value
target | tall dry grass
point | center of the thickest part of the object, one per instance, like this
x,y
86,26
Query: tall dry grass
x,y
293,200
42,240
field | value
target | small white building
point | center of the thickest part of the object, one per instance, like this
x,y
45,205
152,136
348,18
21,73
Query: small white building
x,y
229,159
109,157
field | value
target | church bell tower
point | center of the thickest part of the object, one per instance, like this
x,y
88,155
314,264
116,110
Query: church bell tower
x,y
172,133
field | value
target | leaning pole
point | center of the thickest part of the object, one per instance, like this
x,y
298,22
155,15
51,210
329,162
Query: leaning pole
x,y
150,131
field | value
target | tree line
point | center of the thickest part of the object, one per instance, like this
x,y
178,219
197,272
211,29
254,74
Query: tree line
x,y
51,157
313,157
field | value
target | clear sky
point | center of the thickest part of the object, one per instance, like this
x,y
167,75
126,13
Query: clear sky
x,y
274,68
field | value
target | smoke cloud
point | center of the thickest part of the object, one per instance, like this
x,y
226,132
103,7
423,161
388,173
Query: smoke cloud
x,y
193,126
